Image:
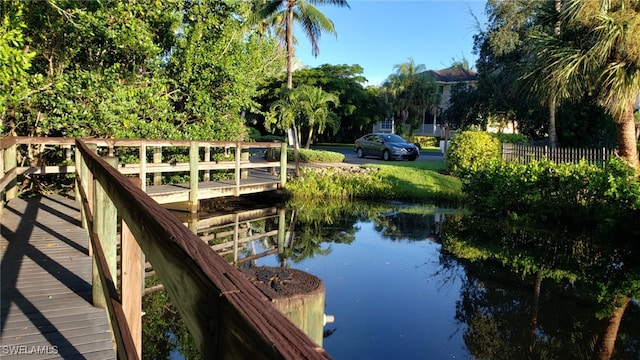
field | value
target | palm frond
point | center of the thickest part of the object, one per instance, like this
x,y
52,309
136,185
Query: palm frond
x,y
314,23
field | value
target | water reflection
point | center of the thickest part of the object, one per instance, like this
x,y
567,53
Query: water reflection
x,y
548,293
417,281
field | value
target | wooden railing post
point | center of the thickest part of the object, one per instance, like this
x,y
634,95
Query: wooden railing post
x,y
11,162
194,157
192,222
143,165
244,157
207,157
157,159
1,176
86,183
283,164
132,267
105,216
237,173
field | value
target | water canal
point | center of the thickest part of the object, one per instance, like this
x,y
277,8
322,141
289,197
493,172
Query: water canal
x,y
416,281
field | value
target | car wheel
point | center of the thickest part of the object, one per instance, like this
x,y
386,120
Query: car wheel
x,y
386,155
360,153
413,158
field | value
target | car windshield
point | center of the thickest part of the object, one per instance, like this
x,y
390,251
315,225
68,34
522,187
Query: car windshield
x,y
393,138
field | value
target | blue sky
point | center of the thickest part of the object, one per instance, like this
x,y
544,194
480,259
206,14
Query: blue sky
x,y
378,34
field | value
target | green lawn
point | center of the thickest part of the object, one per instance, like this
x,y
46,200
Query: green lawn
x,y
420,180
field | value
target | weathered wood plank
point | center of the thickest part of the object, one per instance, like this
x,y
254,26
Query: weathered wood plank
x,y
45,285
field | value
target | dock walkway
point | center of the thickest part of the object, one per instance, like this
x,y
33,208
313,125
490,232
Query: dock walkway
x,y
45,283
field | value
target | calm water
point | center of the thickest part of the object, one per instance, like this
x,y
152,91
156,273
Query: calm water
x,y
389,297
409,281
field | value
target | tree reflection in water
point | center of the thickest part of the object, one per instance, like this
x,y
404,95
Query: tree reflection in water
x,y
526,292
552,293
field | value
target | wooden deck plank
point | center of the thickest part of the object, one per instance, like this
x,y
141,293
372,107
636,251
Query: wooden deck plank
x,y
258,181
46,284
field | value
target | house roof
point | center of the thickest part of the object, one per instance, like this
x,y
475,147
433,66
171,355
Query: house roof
x,y
453,75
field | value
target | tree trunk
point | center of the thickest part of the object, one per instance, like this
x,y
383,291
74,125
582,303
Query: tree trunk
x,y
290,49
627,143
553,137
308,144
289,43
606,344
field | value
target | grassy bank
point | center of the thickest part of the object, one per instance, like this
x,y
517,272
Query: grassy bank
x,y
410,181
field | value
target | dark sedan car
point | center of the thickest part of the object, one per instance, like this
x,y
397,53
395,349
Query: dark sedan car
x,y
386,146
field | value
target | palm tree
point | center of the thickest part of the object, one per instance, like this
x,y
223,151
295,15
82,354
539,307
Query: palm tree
x,y
412,89
597,53
283,112
402,86
314,103
553,137
307,105
312,20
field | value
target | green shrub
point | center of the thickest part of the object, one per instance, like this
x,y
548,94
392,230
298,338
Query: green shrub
x,y
424,141
270,138
252,134
346,183
471,150
555,192
307,156
511,138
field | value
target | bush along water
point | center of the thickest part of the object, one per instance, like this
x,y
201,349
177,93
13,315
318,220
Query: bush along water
x,y
470,151
345,183
555,192
307,156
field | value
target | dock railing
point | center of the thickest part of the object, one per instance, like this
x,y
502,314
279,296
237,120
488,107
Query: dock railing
x,y
199,160
228,317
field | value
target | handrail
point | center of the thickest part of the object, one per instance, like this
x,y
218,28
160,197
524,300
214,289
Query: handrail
x,y
10,169
134,168
125,344
228,317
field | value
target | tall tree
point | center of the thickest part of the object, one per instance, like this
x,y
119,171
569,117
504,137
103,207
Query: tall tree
x,y
358,108
597,53
413,91
501,50
303,11
217,68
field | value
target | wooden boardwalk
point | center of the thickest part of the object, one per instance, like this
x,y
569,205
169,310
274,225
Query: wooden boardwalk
x,y
257,181
46,284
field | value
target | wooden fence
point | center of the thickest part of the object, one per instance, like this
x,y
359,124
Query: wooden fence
x,y
523,154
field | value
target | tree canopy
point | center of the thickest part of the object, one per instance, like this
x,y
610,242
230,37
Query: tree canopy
x,y
411,92
171,69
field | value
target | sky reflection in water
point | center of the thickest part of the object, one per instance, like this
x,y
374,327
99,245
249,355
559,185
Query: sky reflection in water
x,y
389,298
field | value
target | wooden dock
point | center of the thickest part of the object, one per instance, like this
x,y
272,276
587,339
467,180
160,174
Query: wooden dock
x,y
256,181
49,282
46,284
